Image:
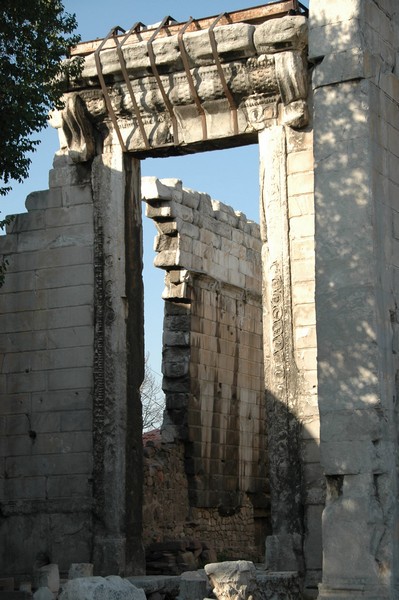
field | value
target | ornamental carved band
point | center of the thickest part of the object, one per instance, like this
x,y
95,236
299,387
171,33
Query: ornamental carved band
x,y
201,88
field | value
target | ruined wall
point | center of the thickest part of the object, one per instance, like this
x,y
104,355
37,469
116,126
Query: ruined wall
x,y
213,348
178,537
356,103
46,308
71,306
213,360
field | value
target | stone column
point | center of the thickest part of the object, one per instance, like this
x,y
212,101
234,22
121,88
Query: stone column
x,y
118,364
284,547
356,201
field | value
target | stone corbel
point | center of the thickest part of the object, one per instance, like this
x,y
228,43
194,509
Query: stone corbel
x,y
78,133
292,82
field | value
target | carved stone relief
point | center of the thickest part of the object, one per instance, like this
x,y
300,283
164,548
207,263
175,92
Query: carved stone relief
x,y
206,100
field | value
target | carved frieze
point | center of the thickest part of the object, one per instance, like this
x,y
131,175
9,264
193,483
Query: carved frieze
x,y
173,100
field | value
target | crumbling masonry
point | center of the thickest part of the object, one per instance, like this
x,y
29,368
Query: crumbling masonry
x,y
304,456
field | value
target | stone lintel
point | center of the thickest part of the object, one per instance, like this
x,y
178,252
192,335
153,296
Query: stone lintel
x,y
189,97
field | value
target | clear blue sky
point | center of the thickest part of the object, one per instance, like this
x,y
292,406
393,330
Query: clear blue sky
x,y
229,175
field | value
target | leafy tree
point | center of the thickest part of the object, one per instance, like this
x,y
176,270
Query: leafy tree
x,y
34,38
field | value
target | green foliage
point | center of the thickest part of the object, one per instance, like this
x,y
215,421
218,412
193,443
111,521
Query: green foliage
x,y
3,259
34,38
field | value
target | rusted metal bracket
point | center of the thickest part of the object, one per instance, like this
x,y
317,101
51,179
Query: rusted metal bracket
x,y
137,27
256,14
228,94
154,69
112,35
168,26
186,64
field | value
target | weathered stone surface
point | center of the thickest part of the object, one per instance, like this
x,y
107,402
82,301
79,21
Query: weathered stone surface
x,y
217,223
100,588
194,585
152,112
43,593
233,580
162,584
274,34
80,570
355,287
283,585
47,576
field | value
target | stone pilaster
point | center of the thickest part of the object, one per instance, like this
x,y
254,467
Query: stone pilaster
x,y
356,136
118,364
284,547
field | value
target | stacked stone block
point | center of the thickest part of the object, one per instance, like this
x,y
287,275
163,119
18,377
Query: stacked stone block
x,y
47,377
356,96
296,479
213,350
300,192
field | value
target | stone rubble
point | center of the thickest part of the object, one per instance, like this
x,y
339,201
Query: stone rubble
x,y
233,580
80,570
101,588
43,593
47,576
230,580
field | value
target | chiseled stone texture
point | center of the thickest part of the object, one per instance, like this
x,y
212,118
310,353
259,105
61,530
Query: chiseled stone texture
x,y
356,133
101,588
290,349
213,356
201,535
265,71
233,580
46,376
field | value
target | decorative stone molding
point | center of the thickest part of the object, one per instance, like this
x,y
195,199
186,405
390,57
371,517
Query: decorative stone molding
x,y
205,86
284,547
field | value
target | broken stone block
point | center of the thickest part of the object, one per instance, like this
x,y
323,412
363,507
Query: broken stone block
x,y
47,576
194,585
80,570
100,588
233,580
43,593
232,41
289,32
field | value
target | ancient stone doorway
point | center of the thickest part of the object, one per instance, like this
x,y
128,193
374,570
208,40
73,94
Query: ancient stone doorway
x,y
247,80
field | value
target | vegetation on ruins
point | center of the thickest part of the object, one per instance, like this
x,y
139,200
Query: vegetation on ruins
x,y
152,399
34,38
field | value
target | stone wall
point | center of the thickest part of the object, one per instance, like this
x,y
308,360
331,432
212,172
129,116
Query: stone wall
x,y
47,359
72,304
213,360
356,103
